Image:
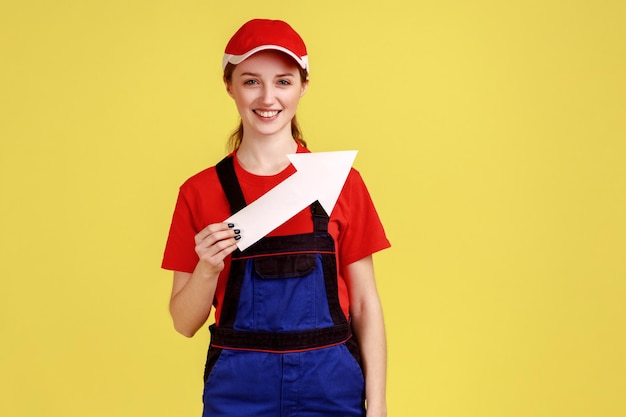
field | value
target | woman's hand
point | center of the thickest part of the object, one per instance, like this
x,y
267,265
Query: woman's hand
x,y
214,243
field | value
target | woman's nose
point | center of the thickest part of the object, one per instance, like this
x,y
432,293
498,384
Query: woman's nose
x,y
268,96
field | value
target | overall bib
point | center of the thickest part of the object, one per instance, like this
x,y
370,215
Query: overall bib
x,y
283,346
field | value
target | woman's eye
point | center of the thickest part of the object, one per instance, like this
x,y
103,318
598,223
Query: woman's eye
x,y
250,82
284,82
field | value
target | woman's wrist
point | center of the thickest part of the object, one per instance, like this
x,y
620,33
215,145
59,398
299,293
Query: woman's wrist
x,y
376,410
206,271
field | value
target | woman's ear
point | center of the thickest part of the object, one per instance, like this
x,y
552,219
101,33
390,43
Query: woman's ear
x,y
229,90
305,86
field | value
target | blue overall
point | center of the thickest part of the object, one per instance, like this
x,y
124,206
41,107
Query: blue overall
x,y
283,346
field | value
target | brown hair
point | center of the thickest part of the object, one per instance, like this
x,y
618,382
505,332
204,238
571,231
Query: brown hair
x,y
235,138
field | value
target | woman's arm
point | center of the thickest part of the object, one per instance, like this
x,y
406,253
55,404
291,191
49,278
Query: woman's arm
x,y
367,322
192,294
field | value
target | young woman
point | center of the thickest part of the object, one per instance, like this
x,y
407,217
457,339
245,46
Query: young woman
x,y
298,321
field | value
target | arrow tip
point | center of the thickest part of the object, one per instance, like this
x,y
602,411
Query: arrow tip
x,y
327,172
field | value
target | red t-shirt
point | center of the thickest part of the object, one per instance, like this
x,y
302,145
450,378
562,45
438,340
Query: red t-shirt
x,y
354,223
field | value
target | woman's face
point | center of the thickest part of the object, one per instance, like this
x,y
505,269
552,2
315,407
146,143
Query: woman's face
x,y
266,88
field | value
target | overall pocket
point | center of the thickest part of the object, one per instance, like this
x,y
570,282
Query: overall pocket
x,y
284,292
285,266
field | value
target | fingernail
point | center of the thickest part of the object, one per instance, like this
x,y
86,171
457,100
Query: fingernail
x,y
231,225
237,231
237,237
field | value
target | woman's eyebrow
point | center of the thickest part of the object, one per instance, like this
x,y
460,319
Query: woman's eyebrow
x,y
252,74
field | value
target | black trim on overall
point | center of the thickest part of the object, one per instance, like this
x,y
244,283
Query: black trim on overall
x,y
319,242
279,341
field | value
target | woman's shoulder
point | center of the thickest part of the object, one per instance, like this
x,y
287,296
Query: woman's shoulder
x,y
354,181
200,179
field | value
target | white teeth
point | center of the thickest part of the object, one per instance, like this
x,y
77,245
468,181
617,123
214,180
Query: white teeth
x,y
266,113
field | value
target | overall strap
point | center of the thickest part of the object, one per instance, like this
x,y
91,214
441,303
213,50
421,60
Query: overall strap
x,y
320,218
228,179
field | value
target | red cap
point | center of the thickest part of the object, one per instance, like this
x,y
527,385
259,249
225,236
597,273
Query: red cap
x,y
264,34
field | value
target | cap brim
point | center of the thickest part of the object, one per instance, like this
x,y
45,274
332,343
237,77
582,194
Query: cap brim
x,y
238,59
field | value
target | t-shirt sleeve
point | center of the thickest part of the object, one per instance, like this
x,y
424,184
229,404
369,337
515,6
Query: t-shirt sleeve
x,y
362,233
180,254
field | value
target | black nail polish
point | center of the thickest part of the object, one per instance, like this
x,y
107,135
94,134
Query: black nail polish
x,y
237,237
237,231
231,225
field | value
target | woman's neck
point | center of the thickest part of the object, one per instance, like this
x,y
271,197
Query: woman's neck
x,y
266,156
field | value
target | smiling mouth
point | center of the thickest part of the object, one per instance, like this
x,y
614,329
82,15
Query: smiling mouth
x,y
267,114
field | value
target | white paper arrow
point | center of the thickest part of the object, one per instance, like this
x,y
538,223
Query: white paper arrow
x,y
319,176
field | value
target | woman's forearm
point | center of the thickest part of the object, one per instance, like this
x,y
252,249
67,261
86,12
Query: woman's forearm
x,y
192,299
192,294
370,331
368,324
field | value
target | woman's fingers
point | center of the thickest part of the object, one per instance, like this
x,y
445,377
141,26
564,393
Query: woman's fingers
x,y
215,231
215,242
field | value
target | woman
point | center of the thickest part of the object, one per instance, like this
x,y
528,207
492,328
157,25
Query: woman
x,y
299,327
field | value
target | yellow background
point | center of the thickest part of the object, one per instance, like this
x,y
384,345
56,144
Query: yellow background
x,y
491,135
